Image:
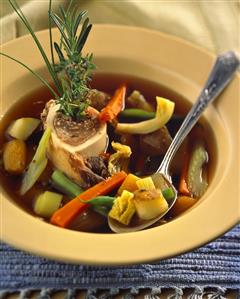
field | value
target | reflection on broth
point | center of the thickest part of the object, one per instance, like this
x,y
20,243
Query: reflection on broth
x,y
114,179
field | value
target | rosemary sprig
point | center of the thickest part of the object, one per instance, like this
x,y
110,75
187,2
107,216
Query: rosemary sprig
x,y
71,76
74,69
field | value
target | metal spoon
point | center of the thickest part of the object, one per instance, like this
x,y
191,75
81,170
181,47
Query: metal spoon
x,y
222,73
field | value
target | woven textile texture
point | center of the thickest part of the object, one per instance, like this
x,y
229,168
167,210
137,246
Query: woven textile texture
x,y
214,265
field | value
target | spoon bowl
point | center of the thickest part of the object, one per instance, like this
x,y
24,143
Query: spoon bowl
x,y
222,73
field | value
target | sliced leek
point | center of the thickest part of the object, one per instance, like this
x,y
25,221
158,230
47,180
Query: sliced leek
x,y
145,184
37,165
164,112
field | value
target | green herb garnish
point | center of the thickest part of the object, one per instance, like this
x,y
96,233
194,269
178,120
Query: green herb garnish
x,y
71,76
74,69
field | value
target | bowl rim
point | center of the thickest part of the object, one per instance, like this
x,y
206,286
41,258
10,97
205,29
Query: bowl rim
x,y
113,242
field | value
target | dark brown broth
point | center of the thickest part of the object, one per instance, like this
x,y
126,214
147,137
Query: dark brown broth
x,y
32,105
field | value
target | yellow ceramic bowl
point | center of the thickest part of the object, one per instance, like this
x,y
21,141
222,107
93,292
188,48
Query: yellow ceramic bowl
x,y
176,64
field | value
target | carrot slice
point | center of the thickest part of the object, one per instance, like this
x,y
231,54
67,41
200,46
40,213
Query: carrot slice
x,y
66,214
181,205
114,106
183,188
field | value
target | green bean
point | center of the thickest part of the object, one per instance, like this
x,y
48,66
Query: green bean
x,y
65,184
102,201
137,113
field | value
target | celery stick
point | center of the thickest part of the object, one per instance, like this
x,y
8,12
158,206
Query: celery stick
x,y
196,183
47,203
37,165
66,185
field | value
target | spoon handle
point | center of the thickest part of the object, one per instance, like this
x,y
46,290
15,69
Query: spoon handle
x,y
223,70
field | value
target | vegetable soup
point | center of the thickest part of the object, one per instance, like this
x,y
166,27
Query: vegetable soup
x,y
146,154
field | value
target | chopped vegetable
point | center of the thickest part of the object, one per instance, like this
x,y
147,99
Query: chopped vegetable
x,y
137,114
102,204
123,208
168,193
182,204
14,156
37,165
129,184
149,203
163,114
119,160
137,100
47,203
22,128
183,187
66,214
65,184
102,201
145,184
196,183
114,106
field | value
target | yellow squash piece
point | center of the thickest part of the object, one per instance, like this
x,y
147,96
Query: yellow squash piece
x,y
164,112
129,184
123,208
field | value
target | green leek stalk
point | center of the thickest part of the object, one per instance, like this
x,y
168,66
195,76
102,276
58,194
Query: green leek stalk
x,y
37,165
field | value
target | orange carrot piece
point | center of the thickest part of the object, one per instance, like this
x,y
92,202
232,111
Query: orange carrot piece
x,y
181,205
114,106
66,214
183,188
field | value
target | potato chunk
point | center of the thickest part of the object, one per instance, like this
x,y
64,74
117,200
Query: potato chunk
x,y
22,128
14,156
149,204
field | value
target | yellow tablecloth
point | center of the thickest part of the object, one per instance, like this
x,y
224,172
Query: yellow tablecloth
x,y
212,24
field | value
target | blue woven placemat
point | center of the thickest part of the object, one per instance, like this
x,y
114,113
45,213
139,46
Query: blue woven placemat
x,y
215,265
